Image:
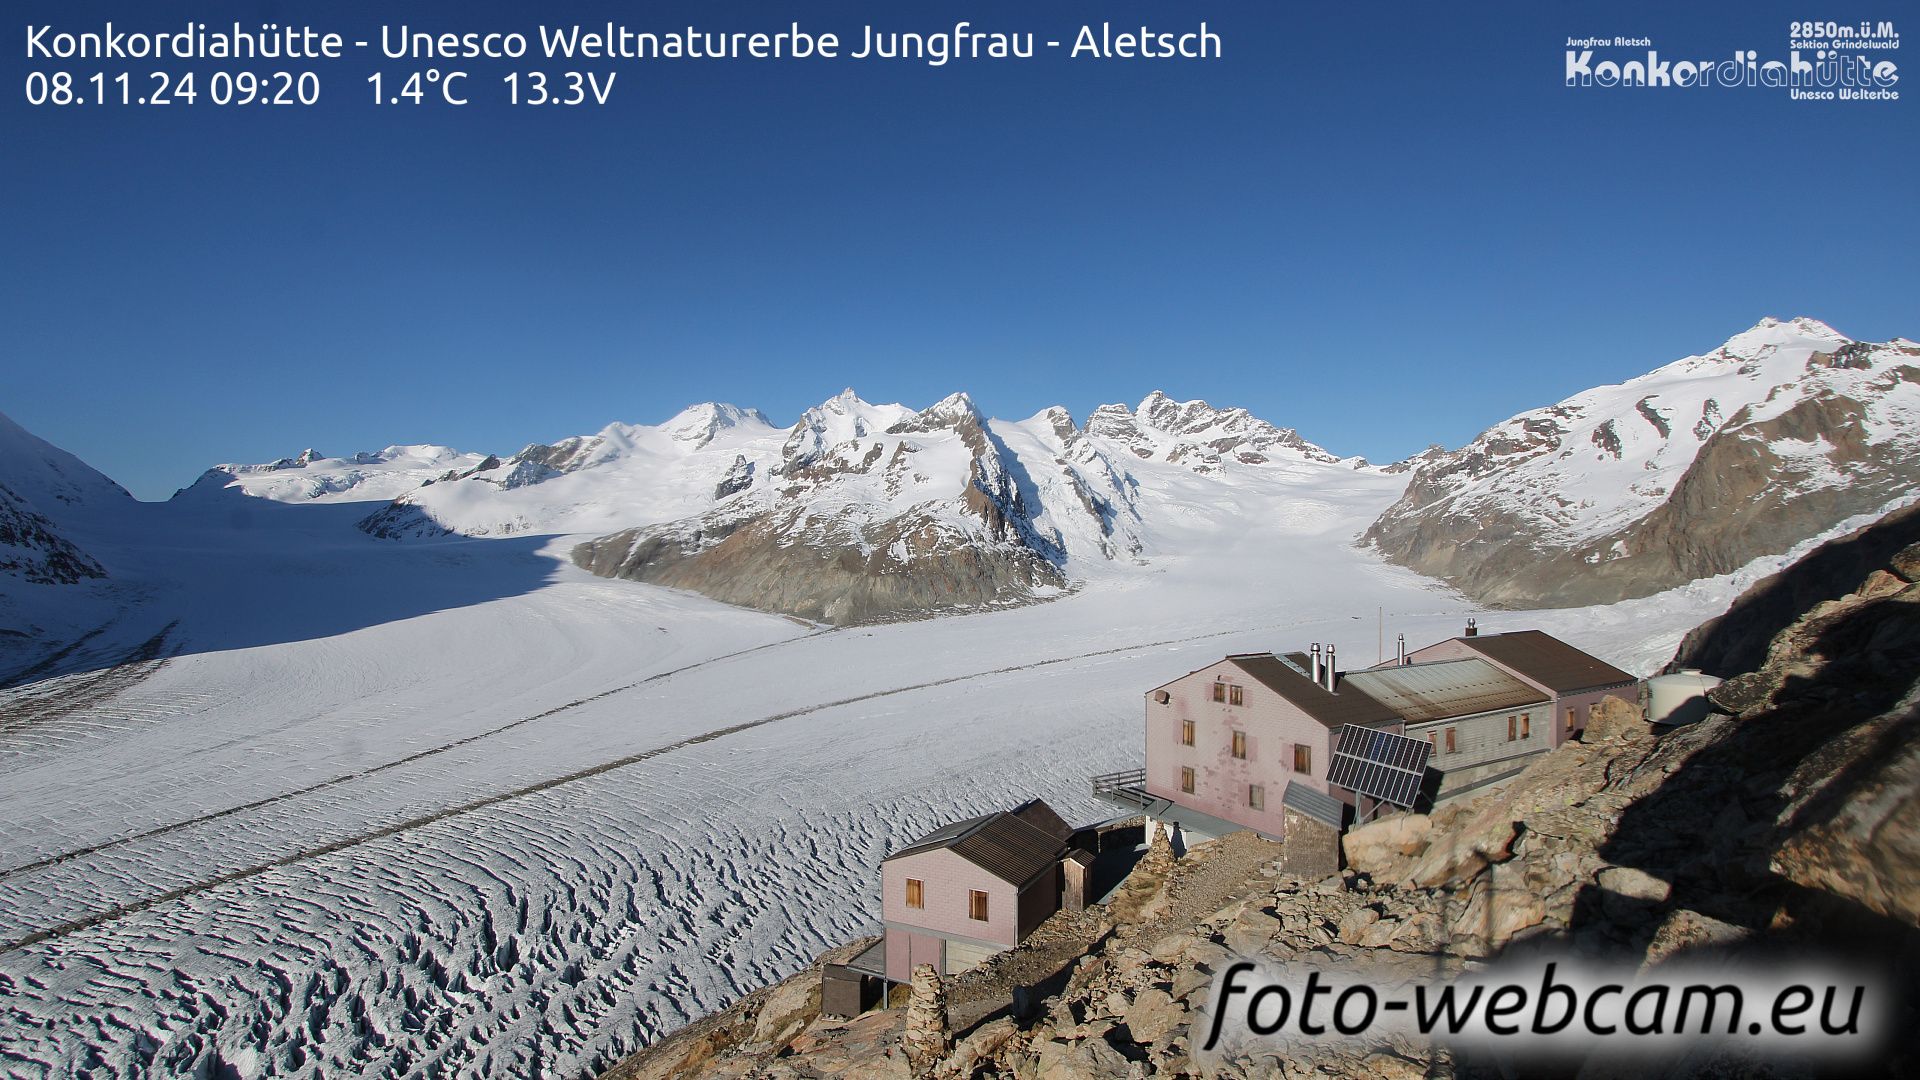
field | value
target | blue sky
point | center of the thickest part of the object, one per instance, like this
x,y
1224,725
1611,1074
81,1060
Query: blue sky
x,y
1386,225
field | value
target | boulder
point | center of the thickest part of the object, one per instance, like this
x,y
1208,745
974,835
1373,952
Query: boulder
x,y
1906,562
1614,718
1685,930
1356,924
1171,947
1420,933
1494,915
1153,1014
1634,883
1377,846
1379,935
1880,583
1250,933
1868,847
1083,1059
1630,895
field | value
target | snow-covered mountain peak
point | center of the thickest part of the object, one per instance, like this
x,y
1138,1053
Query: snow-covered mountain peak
x,y
1201,436
1770,335
951,411
1753,445
305,458
367,476
49,477
1054,418
839,419
701,424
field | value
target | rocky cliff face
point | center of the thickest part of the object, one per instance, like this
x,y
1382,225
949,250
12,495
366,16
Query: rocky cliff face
x,y
32,548
861,525
45,493
1787,826
1693,470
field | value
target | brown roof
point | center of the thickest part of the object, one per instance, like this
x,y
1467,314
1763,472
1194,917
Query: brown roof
x,y
1005,844
1445,689
1287,676
1547,660
1041,816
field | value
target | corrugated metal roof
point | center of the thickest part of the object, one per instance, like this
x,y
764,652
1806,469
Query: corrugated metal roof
x,y
1041,816
1445,688
1314,803
1287,677
1547,660
940,837
1005,844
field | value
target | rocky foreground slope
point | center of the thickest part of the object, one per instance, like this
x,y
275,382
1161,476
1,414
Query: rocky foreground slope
x,y
1692,470
1789,824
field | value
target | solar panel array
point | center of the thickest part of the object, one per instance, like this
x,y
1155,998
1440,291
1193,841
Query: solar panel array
x,y
1381,764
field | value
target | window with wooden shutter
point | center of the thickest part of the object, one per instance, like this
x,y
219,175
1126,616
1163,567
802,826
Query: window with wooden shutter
x,y
1186,733
1219,691
1450,742
1526,727
1256,797
1513,728
1302,758
1236,695
1186,779
916,893
977,905
1240,745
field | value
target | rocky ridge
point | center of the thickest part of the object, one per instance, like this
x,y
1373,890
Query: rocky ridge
x,y
1692,470
857,512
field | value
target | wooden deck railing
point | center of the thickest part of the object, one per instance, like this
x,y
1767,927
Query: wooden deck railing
x,y
1128,787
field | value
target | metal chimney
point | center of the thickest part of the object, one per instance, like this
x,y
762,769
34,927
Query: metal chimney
x,y
1473,630
1403,650
1314,653
1331,672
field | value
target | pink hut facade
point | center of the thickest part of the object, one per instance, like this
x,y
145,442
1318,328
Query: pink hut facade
x,y
1228,739
1246,742
964,892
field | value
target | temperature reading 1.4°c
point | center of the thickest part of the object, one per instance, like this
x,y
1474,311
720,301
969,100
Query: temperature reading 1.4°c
x,y
564,88
418,88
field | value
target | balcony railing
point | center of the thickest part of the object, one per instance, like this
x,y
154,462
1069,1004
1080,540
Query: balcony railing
x,y
1128,788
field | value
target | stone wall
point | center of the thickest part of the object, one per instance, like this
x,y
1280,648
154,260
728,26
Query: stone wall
x,y
1312,847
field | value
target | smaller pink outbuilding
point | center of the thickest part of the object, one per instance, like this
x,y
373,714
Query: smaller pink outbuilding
x,y
971,889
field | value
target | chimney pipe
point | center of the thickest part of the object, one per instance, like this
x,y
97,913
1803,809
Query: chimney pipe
x,y
1473,630
1403,650
1331,673
1315,656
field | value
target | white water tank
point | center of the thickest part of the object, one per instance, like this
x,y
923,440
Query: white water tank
x,y
1680,698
